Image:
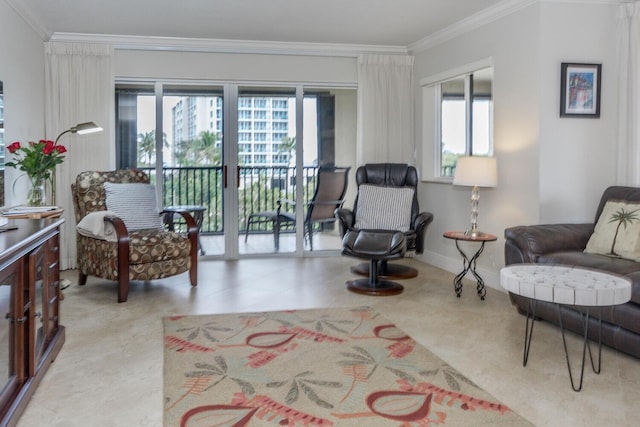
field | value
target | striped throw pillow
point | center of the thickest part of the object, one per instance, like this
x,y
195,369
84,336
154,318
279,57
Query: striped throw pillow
x,y
135,204
384,208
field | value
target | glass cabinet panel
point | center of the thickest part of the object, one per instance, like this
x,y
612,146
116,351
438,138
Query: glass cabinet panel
x,y
37,273
11,371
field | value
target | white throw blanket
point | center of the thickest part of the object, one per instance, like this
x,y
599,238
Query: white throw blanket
x,y
94,225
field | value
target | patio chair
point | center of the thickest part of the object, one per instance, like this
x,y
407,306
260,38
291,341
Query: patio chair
x,y
128,241
331,186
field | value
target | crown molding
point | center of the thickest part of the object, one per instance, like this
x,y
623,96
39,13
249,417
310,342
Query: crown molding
x,y
29,19
487,16
125,42
472,22
228,46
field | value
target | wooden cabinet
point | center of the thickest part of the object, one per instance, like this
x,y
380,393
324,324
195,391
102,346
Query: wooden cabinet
x,y
30,333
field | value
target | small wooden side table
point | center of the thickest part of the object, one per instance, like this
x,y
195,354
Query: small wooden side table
x,y
196,211
469,263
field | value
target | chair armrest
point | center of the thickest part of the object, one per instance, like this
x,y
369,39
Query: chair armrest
x,y
524,244
420,224
346,219
327,202
123,245
286,202
118,226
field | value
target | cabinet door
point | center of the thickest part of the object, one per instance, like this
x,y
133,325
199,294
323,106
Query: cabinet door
x,y
38,289
12,333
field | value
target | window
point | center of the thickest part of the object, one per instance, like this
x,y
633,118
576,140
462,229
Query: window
x,y
465,119
458,118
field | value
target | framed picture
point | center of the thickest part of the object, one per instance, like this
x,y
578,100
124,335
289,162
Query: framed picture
x,y
580,90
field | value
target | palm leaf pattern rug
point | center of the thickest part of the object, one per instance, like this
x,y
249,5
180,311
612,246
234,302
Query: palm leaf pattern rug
x,y
320,367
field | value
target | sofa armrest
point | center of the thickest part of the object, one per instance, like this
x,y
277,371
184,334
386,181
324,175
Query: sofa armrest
x,y
524,244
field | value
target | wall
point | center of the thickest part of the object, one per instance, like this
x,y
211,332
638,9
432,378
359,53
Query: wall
x,y
235,67
587,34
549,169
22,72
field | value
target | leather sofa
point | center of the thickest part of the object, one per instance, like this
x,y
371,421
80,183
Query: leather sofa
x,y
564,244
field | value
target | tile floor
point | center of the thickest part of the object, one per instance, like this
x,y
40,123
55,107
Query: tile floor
x,y
109,372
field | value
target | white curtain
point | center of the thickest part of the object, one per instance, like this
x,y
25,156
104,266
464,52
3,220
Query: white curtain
x,y
385,109
629,95
79,88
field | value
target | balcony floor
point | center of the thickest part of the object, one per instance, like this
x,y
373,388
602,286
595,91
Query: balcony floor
x,y
262,243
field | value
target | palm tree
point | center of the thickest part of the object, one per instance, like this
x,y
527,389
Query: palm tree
x,y
288,145
204,150
146,147
208,150
623,218
182,151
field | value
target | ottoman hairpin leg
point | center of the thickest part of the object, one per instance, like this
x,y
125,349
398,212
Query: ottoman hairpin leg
x,y
585,345
528,330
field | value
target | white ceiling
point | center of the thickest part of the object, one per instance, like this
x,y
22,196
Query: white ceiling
x,y
368,22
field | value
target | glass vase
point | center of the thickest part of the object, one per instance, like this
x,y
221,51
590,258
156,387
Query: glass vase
x,y
37,193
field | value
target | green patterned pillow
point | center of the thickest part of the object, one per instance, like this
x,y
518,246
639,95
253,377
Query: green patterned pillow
x,y
617,232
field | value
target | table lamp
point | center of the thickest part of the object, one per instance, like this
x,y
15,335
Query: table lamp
x,y
476,172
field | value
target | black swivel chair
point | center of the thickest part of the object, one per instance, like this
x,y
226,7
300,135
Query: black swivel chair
x,y
390,175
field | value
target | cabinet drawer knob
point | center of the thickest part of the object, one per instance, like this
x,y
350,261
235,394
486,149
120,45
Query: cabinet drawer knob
x,y
12,319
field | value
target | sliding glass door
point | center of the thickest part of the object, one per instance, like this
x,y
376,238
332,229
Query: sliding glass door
x,y
235,154
284,136
267,169
175,134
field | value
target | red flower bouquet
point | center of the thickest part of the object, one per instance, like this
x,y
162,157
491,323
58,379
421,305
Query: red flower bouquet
x,y
38,160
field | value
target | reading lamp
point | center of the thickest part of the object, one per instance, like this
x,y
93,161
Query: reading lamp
x,y
476,172
80,129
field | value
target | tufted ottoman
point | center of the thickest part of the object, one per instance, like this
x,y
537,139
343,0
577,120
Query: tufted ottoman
x,y
376,246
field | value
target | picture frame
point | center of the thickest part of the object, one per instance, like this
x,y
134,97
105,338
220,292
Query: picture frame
x,y
580,90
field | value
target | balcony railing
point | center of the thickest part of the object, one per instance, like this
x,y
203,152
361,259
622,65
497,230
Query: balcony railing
x,y
259,189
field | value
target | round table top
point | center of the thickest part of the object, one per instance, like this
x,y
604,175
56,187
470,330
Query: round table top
x,y
466,236
566,284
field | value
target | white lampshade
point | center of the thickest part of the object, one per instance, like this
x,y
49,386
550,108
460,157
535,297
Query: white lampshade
x,y
476,171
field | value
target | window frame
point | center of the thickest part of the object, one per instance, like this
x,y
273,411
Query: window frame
x,y
432,118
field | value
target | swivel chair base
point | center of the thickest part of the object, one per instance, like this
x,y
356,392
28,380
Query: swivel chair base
x,y
382,288
377,246
387,270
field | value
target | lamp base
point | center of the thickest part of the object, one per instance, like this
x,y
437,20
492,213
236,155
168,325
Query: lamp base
x,y
474,234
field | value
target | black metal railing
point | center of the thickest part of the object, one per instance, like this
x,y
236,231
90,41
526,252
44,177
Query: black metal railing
x,y
259,189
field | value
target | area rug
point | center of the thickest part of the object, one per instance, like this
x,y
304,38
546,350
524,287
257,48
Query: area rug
x,y
321,367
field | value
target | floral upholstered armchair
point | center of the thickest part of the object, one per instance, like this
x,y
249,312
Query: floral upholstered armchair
x,y
120,234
